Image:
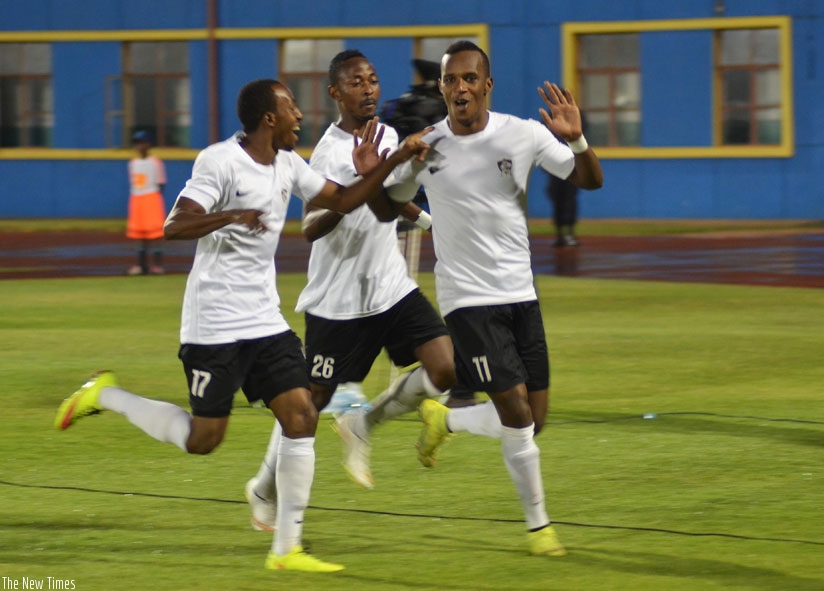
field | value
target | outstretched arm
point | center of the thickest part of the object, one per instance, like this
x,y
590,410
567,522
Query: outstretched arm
x,y
370,187
565,122
189,220
317,223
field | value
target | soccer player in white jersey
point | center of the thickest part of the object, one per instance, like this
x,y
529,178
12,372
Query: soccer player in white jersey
x,y
475,175
359,297
233,335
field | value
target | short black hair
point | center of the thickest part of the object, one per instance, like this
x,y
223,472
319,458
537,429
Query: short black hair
x,y
466,45
337,62
254,100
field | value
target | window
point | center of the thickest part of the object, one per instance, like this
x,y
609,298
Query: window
x,y
153,89
433,48
26,98
739,77
304,68
610,82
153,95
748,70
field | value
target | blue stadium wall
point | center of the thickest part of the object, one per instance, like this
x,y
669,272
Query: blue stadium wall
x,y
524,42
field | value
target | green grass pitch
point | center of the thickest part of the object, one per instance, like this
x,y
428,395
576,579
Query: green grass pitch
x,y
721,490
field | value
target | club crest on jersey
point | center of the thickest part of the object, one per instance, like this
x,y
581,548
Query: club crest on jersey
x,y
284,194
505,166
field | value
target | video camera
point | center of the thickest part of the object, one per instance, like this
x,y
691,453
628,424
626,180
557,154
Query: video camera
x,y
421,106
416,109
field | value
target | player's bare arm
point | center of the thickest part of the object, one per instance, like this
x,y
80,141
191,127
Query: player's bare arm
x,y
387,210
415,214
563,118
188,220
317,223
346,199
411,211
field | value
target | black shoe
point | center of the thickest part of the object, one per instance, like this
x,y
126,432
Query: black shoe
x,y
571,240
560,242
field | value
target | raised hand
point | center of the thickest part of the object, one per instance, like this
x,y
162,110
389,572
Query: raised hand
x,y
365,154
414,146
565,121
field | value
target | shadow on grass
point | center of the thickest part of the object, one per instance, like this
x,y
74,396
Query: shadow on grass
x,y
69,524
725,573
795,431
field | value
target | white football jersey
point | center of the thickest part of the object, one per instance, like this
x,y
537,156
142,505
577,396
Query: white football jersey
x,y
476,186
356,270
231,293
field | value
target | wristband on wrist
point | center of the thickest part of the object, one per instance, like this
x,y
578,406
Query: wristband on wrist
x,y
578,146
424,221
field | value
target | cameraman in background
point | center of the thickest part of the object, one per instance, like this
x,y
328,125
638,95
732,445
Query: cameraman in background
x,y
423,105
413,111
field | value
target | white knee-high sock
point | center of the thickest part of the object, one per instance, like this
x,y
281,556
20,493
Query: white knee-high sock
x,y
480,419
265,478
522,459
402,396
164,421
294,474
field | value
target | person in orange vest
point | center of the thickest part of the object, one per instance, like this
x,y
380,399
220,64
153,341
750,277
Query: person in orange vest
x,y
147,211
